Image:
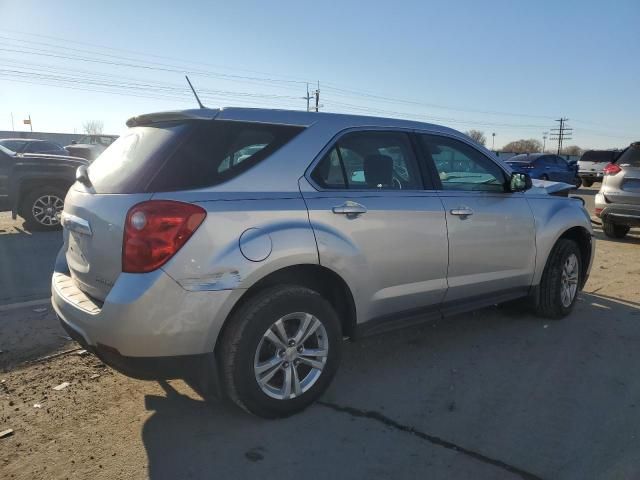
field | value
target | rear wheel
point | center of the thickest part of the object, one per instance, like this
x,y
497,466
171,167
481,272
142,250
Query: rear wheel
x,y
544,177
560,280
280,351
42,207
586,182
577,182
614,231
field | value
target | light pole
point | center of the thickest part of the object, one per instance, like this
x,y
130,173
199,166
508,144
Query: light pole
x,y
493,141
544,140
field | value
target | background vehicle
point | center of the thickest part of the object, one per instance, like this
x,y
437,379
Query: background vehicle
x,y
592,163
618,202
544,166
254,240
90,146
24,145
34,186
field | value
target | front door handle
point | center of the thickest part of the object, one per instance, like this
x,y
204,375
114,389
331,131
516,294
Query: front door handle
x,y
462,211
350,208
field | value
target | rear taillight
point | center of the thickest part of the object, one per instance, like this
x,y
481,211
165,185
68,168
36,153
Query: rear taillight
x,y
155,230
611,169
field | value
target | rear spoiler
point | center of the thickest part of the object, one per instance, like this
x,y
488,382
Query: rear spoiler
x,y
176,116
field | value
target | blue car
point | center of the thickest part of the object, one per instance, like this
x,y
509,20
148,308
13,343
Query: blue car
x,y
544,166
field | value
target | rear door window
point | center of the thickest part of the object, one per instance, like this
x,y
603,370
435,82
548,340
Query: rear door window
x,y
630,157
370,160
185,156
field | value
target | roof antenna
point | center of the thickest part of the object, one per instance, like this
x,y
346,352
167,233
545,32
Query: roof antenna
x,y
194,92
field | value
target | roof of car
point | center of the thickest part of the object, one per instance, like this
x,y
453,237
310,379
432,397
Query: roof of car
x,y
287,117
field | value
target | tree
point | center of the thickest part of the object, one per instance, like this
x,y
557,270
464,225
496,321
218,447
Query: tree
x,y
477,136
93,127
523,146
572,150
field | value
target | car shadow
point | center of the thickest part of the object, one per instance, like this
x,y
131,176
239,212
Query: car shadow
x,y
633,237
495,370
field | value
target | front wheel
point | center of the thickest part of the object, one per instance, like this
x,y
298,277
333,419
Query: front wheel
x,y
587,182
560,280
280,351
42,207
577,182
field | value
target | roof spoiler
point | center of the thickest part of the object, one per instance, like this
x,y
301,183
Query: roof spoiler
x,y
177,116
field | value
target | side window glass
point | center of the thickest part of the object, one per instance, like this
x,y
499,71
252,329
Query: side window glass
x,y
461,167
328,173
370,161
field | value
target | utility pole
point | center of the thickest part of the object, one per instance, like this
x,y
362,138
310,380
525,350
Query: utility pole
x,y
13,127
493,141
544,140
561,134
318,96
308,97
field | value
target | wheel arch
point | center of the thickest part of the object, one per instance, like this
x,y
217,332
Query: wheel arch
x,y
582,237
316,277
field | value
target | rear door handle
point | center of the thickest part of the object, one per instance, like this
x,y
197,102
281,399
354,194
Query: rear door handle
x,y
462,211
350,208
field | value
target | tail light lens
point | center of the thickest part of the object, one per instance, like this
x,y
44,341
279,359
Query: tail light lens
x,y
155,230
611,169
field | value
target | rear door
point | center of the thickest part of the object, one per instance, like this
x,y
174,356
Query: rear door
x,y
377,226
491,231
6,166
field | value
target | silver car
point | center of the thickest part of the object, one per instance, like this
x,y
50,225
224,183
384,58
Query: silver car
x,y
618,201
242,245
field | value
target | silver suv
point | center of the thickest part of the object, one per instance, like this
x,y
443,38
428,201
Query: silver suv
x,y
243,245
618,202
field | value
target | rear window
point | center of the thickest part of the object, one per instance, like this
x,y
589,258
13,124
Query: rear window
x,y
599,156
630,157
184,156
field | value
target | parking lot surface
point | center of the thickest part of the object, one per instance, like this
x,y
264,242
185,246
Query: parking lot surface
x,y
494,394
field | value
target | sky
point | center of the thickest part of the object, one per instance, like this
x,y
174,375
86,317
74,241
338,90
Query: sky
x,y
504,67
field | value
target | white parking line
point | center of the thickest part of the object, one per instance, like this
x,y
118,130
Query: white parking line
x,y
30,303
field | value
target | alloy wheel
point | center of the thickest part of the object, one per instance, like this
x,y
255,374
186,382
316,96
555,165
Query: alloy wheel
x,y
47,210
569,280
291,356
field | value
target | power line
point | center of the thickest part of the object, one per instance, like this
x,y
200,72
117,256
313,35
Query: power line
x,y
561,134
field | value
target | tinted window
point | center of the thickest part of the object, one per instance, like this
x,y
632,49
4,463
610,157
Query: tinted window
x,y
598,156
37,147
15,145
184,156
461,167
630,157
370,161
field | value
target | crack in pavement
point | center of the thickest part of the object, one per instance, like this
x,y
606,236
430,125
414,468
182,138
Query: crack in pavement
x,y
378,417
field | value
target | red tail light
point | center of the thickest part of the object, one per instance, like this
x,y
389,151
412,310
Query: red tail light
x,y
611,169
155,230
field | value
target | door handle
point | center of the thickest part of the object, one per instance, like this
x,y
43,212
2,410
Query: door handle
x,y
350,208
462,211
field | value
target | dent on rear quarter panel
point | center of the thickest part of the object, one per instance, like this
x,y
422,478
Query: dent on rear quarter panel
x,y
553,217
212,258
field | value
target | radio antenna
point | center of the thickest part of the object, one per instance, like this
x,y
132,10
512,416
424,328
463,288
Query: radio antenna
x,y
194,92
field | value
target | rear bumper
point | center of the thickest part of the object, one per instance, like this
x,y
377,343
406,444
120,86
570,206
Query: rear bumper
x,y
591,175
143,316
618,213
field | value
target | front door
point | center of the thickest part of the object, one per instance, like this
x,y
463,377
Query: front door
x,y
377,226
491,231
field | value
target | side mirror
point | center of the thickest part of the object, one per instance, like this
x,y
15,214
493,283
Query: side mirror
x,y
520,182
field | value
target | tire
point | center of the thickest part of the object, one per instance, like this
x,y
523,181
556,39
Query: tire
x,y
551,303
577,182
35,204
544,177
586,182
614,231
244,342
